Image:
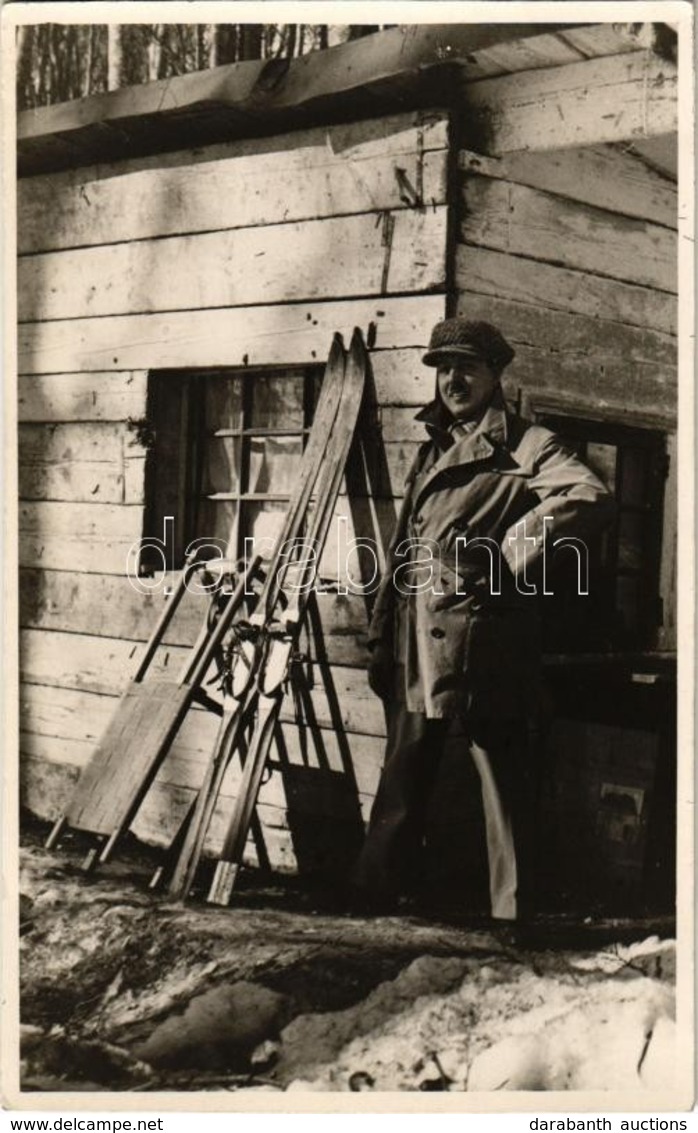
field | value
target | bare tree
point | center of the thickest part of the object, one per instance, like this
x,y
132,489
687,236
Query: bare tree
x,y
114,56
57,62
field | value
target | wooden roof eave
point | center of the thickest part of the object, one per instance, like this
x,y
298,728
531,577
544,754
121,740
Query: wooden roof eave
x,y
430,66
403,67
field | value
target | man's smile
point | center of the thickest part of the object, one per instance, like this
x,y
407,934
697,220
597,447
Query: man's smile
x,y
466,385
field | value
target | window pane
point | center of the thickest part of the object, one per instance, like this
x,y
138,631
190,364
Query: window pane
x,y
166,470
634,477
630,540
602,460
274,464
277,401
223,402
216,521
314,385
262,521
221,471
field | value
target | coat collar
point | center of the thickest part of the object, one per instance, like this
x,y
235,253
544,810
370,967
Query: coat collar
x,y
437,421
491,429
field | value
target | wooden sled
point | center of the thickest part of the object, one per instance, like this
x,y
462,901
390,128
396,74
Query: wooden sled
x,y
143,728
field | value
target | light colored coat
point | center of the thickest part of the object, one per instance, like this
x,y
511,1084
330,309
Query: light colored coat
x,y
459,649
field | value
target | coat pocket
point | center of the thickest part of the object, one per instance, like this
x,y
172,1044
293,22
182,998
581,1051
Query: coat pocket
x,y
501,662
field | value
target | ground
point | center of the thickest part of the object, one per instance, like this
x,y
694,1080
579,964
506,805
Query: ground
x,y
122,989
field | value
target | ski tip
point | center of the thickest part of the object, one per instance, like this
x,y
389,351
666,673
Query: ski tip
x,y
358,346
337,347
336,359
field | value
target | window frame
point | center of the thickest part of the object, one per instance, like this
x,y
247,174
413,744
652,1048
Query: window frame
x,y
189,458
576,423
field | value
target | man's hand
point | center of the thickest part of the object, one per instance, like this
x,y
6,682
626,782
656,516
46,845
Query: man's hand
x,y
381,667
472,582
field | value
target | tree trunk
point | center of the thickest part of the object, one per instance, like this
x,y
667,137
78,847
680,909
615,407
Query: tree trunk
x,y
358,31
225,44
290,45
251,41
114,56
26,37
45,89
154,52
200,55
89,56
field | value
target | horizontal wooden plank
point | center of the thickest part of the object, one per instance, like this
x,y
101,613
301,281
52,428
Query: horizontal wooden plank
x,y
85,482
525,222
314,259
78,536
596,40
295,780
357,518
400,66
80,441
107,606
286,334
105,396
586,364
100,604
359,757
64,552
64,714
81,520
524,280
79,718
179,770
578,337
74,481
326,171
660,154
613,99
80,462
60,534
134,479
315,775
401,378
290,841
567,44
520,55
103,665
166,806
606,391
340,695
46,789
602,176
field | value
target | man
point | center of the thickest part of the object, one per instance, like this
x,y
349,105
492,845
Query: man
x,y
454,637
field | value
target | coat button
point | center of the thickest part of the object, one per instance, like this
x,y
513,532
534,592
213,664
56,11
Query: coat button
x,y
436,632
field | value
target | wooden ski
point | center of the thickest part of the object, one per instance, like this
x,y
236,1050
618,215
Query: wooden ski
x,y
281,634
189,841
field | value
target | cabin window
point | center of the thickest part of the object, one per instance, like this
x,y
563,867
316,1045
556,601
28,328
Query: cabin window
x,y
225,448
623,610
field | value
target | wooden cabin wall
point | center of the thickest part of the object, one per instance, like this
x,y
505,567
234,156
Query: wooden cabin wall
x,y
248,254
574,253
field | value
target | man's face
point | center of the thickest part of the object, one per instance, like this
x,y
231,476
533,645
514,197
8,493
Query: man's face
x,y
465,385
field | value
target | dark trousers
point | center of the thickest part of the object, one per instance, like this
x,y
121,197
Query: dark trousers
x,y
389,858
